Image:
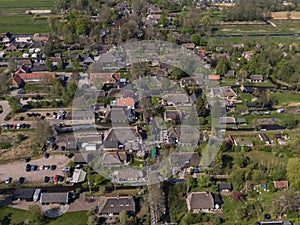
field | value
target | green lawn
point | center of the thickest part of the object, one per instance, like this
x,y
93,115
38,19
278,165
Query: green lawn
x,y
10,215
35,87
284,99
78,218
20,6
23,24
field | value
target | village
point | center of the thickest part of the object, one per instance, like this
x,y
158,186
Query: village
x,y
134,134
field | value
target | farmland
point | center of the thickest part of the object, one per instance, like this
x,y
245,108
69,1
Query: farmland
x,y
20,6
23,24
14,20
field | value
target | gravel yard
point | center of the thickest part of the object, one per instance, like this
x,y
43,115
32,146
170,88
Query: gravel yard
x,y
17,169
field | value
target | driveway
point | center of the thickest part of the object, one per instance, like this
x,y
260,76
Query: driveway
x,y
6,110
17,169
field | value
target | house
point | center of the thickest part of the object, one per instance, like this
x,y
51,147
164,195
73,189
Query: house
x,y
104,78
16,82
227,120
224,92
173,115
122,134
71,144
132,146
37,76
112,206
264,137
283,222
126,102
111,145
24,194
114,158
128,176
242,142
203,202
56,197
283,184
189,82
41,37
177,99
183,135
225,187
116,115
185,159
256,78
214,77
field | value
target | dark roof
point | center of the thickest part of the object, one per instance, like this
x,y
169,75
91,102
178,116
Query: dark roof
x,y
185,159
24,193
273,127
225,186
116,205
201,200
111,144
58,197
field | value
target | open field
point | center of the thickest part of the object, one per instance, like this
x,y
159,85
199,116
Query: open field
x,y
20,6
23,24
285,15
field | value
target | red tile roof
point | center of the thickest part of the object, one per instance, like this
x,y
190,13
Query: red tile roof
x,y
123,102
281,184
37,75
214,77
16,80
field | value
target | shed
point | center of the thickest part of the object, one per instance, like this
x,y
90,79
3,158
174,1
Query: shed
x,y
57,197
24,194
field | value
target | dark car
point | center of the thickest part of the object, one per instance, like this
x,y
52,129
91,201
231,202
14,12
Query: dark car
x,y
22,118
70,155
46,179
47,114
47,155
28,168
53,167
27,126
29,114
27,159
21,180
34,167
62,148
60,178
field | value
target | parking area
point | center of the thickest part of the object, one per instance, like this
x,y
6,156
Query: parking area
x,y
17,169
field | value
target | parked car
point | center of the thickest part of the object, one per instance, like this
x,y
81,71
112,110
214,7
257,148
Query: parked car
x,y
28,168
8,180
60,178
27,159
70,155
53,167
21,180
47,155
34,167
42,167
46,179
55,179
47,167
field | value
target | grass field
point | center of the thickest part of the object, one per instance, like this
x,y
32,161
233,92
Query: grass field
x,y
23,24
20,6
10,215
286,99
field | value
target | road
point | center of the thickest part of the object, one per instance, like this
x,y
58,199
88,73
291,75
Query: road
x,y
6,110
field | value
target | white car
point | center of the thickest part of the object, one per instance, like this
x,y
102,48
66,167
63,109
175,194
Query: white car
x,y
8,180
18,126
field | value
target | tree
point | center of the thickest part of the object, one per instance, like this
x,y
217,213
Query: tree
x,y
290,122
124,217
92,218
42,132
222,66
4,85
14,104
292,171
35,215
203,181
57,89
177,73
201,107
